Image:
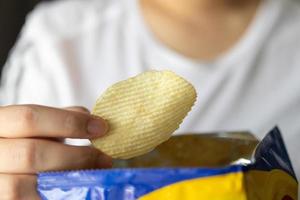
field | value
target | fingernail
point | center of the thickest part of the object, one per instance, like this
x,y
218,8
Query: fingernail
x,y
97,126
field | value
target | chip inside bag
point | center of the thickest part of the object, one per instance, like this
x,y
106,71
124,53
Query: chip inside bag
x,y
267,175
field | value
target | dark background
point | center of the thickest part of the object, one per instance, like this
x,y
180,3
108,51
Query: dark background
x,y
12,18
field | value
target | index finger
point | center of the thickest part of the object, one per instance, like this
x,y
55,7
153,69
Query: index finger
x,y
41,121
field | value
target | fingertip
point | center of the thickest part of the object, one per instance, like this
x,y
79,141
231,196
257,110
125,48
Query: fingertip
x,y
97,127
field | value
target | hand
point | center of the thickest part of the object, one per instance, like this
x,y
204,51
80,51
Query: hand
x,y
30,138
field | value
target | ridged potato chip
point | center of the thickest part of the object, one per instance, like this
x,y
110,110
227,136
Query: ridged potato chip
x,y
142,112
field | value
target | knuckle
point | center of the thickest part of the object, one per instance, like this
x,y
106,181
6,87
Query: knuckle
x,y
27,116
13,188
72,124
27,155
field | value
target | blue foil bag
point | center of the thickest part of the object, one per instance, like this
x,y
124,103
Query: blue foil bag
x,y
269,176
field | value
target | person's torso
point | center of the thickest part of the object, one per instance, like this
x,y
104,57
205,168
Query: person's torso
x,y
254,86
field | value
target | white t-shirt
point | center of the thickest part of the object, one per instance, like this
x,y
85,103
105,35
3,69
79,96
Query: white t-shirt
x,y
69,52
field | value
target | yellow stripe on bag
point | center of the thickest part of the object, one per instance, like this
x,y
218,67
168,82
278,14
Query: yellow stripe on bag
x,y
226,187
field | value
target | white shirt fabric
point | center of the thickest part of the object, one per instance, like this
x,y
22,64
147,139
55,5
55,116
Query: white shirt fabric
x,y
69,52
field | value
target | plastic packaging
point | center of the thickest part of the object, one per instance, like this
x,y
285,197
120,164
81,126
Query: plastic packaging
x,y
269,176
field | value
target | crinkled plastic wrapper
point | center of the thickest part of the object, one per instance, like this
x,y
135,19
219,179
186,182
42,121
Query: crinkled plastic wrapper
x,y
267,175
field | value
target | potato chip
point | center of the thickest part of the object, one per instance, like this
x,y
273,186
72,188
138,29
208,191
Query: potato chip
x,y
142,112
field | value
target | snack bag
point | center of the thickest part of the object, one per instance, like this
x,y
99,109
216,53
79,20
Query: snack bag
x,y
268,176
